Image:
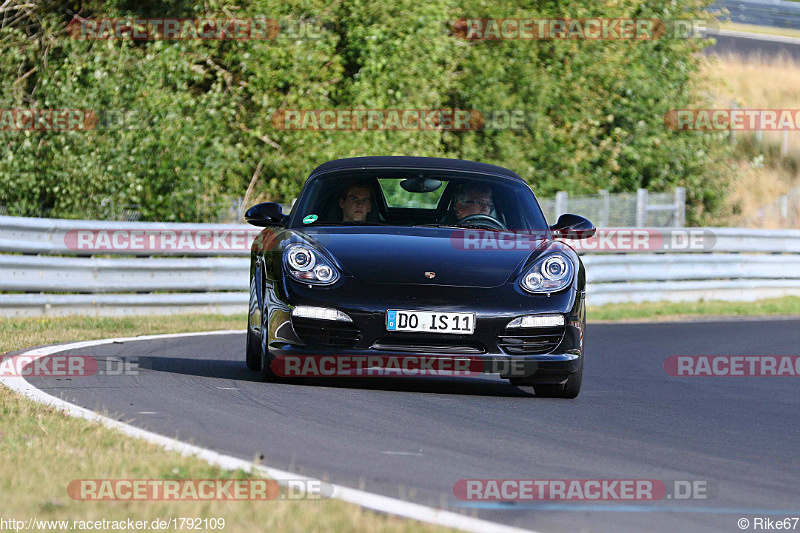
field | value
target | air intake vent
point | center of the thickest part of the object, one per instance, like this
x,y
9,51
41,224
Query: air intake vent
x,y
326,332
530,341
421,346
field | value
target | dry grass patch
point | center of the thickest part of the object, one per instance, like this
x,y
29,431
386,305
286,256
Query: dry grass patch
x,y
758,83
18,333
42,450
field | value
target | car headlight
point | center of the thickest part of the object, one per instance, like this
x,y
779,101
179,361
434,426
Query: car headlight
x,y
550,273
307,266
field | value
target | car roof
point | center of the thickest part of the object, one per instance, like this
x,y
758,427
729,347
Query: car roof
x,y
436,163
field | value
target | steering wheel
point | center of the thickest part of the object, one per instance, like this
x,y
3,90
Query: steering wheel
x,y
481,221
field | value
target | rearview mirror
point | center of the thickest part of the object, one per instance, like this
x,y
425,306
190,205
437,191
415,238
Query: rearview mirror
x,y
572,227
420,184
265,214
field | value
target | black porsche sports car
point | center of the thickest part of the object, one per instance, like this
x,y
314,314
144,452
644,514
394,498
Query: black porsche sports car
x,y
441,258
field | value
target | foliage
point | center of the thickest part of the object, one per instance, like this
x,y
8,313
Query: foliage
x,y
184,124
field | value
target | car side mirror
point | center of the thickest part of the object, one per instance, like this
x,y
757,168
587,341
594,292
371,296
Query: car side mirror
x,y
265,214
572,227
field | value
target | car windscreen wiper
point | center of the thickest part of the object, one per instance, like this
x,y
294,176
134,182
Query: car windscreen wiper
x,y
456,227
436,226
321,224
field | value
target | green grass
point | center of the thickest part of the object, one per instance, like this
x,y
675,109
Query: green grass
x,y
788,305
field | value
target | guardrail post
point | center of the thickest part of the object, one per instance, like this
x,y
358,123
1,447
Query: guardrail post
x,y
680,207
641,208
784,203
561,203
785,143
605,214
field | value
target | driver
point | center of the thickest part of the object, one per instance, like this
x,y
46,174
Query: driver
x,y
471,199
355,201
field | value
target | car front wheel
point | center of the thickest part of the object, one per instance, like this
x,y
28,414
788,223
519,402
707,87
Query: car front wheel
x,y
265,366
567,389
253,352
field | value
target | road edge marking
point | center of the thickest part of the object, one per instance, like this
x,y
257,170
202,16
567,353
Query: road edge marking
x,y
368,500
767,37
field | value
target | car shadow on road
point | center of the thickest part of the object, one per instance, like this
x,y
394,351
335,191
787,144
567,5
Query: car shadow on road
x,y
490,385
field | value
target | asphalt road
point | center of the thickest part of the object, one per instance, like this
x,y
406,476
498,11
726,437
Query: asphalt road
x,y
743,44
413,438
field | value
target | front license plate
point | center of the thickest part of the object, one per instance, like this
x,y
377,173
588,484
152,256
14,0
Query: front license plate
x,y
429,322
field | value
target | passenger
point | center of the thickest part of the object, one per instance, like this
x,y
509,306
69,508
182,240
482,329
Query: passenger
x,y
356,202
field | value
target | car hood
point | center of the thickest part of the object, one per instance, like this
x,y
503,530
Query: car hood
x,y
472,258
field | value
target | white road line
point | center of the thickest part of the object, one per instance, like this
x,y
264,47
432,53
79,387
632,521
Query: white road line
x,y
365,499
754,36
390,452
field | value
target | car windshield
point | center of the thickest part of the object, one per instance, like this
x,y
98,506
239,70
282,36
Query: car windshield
x,y
408,197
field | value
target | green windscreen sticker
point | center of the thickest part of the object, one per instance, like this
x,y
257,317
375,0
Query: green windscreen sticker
x,y
309,219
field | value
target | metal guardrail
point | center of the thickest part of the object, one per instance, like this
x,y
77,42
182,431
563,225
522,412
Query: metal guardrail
x,y
94,275
739,240
691,291
53,236
776,13
123,304
668,267
41,274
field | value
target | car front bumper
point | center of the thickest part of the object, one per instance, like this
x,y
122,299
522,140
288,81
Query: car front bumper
x,y
510,352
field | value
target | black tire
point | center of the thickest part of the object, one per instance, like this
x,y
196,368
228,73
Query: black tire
x,y
265,359
569,389
547,390
267,374
252,353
